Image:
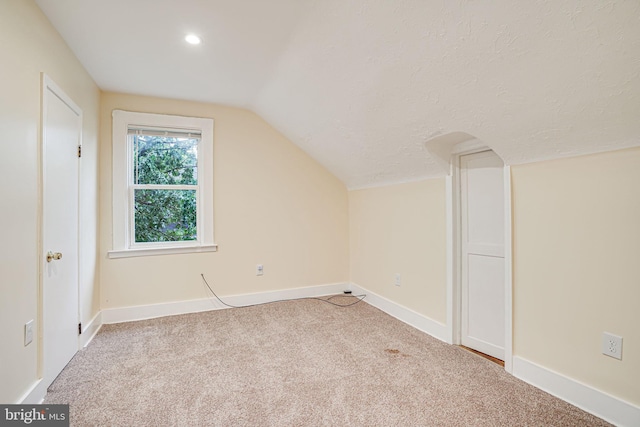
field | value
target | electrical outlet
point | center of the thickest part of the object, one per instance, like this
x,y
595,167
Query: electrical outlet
x,y
259,270
612,345
397,279
28,332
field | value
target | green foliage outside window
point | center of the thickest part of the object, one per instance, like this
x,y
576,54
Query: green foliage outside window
x,y
162,213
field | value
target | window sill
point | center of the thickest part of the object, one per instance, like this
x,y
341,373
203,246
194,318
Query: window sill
x,y
127,253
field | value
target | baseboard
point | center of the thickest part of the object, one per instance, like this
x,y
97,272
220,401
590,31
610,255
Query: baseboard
x,y
400,312
596,402
90,330
141,312
35,395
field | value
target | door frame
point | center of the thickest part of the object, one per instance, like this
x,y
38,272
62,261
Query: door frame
x,y
454,262
50,88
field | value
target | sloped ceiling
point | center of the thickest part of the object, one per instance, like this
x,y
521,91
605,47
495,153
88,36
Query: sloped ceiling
x,y
361,85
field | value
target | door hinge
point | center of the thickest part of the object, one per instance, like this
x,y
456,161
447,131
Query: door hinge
x,y
79,328
79,150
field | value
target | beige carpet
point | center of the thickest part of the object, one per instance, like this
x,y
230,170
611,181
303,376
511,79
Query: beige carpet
x,y
298,363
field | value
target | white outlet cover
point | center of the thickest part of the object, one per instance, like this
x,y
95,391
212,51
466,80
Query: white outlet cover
x,y
612,345
259,270
398,278
28,332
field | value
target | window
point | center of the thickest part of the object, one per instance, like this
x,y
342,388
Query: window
x,y
162,184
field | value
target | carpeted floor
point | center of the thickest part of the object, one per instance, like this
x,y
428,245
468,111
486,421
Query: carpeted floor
x,y
298,363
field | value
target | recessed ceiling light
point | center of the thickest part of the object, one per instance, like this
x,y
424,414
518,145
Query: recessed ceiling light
x,y
193,39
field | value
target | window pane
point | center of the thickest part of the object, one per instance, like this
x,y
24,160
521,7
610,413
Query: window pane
x,y
165,215
165,160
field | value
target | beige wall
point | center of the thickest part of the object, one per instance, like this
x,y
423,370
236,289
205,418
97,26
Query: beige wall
x,y
576,227
577,267
29,45
273,205
401,229
576,251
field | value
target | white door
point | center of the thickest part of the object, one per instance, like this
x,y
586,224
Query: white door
x,y
61,133
482,253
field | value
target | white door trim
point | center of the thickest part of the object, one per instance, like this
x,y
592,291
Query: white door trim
x,y
453,249
48,88
508,272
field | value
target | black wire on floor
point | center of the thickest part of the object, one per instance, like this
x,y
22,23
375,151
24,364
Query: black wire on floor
x,y
327,300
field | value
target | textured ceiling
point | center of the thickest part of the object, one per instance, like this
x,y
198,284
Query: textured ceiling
x,y
361,85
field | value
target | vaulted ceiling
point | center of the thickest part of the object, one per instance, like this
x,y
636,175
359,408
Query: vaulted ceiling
x,y
361,85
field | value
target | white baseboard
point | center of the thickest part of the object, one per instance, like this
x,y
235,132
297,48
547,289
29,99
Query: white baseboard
x,y
141,312
400,312
90,330
596,402
35,395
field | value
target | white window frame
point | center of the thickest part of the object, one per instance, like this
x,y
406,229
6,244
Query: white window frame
x,y
124,244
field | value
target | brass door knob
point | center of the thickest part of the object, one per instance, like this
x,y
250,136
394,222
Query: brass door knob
x,y
53,256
